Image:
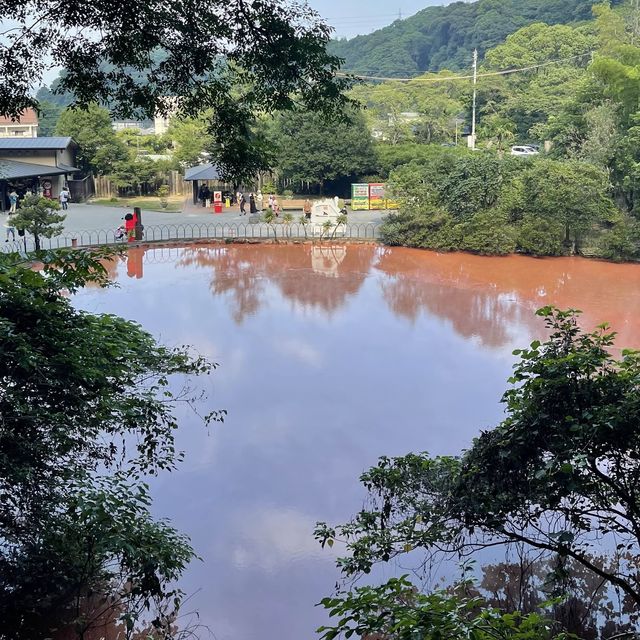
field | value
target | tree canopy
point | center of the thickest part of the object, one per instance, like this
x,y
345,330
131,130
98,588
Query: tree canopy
x,y
312,149
558,475
98,146
151,56
87,410
444,37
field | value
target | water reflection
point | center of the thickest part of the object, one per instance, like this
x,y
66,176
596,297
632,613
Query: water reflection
x,y
492,300
330,357
487,297
314,277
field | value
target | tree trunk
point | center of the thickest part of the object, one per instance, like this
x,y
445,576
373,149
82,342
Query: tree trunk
x,y
567,238
36,239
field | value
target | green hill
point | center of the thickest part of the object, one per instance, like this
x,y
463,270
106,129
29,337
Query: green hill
x,y
444,37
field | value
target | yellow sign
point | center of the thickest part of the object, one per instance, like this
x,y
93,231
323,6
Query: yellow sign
x,y
360,197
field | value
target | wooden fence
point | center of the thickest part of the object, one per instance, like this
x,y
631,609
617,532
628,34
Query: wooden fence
x,y
104,188
81,190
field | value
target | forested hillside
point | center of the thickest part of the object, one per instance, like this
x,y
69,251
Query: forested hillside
x,y
444,37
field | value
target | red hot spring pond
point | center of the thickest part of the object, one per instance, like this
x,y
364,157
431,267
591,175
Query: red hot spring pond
x,y
331,356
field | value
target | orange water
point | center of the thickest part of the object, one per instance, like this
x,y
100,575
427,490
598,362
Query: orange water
x,y
330,357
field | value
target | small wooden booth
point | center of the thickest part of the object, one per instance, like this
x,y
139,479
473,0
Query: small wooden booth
x,y
201,173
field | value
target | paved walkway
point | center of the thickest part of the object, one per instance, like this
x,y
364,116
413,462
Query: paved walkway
x,y
89,217
99,223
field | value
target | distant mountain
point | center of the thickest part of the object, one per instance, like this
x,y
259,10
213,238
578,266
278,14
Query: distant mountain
x,y
443,37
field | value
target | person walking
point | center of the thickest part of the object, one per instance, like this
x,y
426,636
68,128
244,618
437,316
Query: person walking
x,y
276,207
252,204
13,201
243,202
259,200
271,199
201,192
64,198
306,209
207,196
10,228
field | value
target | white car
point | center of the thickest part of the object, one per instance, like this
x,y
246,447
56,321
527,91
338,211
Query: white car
x,y
524,150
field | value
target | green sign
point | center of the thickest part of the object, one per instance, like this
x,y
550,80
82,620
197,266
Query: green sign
x,y
360,197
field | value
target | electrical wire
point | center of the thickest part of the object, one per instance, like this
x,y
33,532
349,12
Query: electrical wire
x,y
467,77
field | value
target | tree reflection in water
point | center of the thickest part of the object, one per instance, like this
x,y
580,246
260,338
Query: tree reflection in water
x,y
492,299
311,276
488,298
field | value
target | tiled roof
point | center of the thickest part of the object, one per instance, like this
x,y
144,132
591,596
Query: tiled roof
x,y
10,169
202,172
28,116
35,143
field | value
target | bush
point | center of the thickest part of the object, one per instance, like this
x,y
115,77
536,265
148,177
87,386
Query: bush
x,y
622,242
391,157
426,228
372,179
540,236
488,233
163,194
288,194
473,184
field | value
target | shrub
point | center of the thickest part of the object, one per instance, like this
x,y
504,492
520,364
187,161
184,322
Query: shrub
x,y
371,179
163,194
288,194
426,228
473,184
488,233
540,236
622,241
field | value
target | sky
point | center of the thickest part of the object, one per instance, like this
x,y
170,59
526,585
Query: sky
x,y
353,17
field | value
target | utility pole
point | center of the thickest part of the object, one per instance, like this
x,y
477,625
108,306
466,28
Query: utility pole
x,y
472,142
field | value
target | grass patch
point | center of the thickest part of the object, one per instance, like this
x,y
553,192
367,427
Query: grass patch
x,y
146,203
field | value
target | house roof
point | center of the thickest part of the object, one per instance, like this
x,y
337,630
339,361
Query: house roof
x,y
67,168
28,116
202,172
35,144
10,169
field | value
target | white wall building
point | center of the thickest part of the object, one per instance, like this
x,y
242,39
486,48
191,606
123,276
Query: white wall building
x,y
26,126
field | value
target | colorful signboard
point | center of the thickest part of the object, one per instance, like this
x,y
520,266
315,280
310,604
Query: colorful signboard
x,y
376,196
360,197
371,196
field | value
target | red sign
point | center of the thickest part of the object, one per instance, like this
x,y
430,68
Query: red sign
x,y
47,187
217,201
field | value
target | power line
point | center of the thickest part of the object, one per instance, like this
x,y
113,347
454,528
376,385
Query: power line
x,y
468,77
364,16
